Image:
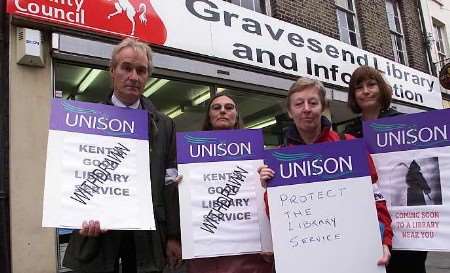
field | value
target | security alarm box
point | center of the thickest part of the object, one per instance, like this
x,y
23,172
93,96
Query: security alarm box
x,y
29,47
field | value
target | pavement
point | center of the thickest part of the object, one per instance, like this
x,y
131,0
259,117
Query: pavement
x,y
438,262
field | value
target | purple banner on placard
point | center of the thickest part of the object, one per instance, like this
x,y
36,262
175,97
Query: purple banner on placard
x,y
408,132
98,119
213,146
317,162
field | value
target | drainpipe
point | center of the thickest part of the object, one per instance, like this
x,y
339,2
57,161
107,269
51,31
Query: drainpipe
x,y
5,253
428,39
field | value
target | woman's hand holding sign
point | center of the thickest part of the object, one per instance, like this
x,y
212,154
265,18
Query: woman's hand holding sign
x,y
91,228
265,174
384,260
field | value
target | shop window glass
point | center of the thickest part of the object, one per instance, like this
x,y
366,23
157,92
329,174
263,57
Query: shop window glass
x,y
184,101
347,22
261,111
395,27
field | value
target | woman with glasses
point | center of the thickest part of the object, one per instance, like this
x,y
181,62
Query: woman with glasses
x,y
306,103
223,114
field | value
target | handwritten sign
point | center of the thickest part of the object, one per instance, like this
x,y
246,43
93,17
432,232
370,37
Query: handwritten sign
x,y
412,157
322,209
97,167
221,199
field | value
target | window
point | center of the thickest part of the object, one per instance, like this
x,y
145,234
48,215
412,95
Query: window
x,y
256,5
439,37
397,37
185,101
260,111
347,22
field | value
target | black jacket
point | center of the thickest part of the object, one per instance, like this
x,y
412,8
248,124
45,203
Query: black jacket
x,y
99,254
355,129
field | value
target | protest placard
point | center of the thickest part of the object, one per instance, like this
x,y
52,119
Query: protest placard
x,y
97,167
322,209
221,199
412,157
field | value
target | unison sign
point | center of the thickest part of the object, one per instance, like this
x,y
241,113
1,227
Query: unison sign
x,y
219,29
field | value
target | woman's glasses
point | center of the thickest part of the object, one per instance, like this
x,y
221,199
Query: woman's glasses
x,y
226,106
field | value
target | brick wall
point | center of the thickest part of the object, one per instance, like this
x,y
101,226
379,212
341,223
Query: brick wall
x,y
317,15
320,16
414,39
374,28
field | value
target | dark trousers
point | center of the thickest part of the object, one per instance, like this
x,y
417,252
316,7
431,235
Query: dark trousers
x,y
407,261
127,253
126,262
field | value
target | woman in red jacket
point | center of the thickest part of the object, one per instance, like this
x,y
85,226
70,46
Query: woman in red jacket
x,y
306,103
370,95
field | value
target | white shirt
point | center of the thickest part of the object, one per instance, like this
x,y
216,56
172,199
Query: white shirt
x,y
118,103
172,173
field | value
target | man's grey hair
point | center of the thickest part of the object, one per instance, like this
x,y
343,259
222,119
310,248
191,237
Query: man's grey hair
x,y
137,46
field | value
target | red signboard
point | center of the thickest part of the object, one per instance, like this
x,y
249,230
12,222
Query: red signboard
x,y
136,18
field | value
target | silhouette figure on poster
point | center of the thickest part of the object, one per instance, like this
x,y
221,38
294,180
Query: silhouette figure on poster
x,y
417,185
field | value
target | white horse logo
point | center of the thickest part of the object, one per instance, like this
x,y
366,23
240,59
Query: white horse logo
x,y
125,5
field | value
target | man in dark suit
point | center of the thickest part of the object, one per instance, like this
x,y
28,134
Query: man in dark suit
x,y
92,249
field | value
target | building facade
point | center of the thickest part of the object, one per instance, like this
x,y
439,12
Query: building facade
x,y
438,31
254,49
4,140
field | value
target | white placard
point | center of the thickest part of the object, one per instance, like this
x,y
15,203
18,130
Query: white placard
x,y
412,157
97,167
244,227
319,227
419,226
